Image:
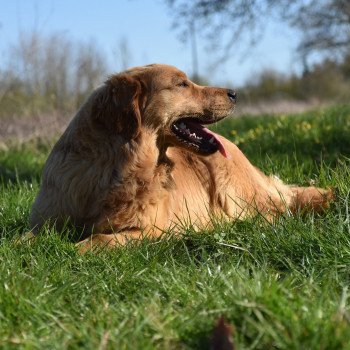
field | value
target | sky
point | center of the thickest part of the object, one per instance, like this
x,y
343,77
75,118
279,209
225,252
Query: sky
x,y
147,26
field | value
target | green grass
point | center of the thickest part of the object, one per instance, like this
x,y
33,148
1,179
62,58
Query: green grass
x,y
283,286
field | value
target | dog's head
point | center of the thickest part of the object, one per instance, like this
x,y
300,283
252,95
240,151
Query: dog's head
x,y
162,98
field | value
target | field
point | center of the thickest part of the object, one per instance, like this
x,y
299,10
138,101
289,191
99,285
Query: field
x,y
283,285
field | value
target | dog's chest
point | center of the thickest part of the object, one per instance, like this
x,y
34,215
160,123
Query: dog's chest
x,y
139,202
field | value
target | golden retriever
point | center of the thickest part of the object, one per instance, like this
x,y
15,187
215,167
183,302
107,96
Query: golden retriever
x,y
136,160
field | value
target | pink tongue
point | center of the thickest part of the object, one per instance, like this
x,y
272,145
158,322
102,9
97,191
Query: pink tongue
x,y
222,148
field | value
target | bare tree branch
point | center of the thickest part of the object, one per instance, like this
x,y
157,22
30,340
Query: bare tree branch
x,y
324,24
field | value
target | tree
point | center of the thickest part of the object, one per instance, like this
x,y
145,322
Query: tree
x,y
221,22
324,24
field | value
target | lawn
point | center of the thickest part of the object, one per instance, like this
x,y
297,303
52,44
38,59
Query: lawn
x,y
283,285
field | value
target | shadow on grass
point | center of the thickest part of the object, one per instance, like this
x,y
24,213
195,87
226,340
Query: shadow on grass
x,y
21,164
17,174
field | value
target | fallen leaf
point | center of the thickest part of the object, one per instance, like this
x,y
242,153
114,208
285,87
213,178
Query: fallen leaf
x,y
222,335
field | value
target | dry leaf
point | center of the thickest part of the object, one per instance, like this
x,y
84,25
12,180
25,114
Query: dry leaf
x,y
222,336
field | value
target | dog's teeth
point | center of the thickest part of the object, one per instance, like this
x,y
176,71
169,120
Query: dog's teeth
x,y
211,140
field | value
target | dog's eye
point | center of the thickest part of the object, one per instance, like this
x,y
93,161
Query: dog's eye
x,y
183,84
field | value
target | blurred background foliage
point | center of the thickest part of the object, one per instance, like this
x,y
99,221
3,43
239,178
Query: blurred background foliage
x,y
327,81
48,73
53,73
44,74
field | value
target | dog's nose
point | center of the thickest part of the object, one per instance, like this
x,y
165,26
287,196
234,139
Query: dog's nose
x,y
232,95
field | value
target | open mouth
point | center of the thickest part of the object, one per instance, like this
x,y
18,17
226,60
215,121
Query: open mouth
x,y
194,135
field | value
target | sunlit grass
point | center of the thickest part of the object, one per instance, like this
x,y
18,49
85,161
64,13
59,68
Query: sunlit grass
x,y
282,285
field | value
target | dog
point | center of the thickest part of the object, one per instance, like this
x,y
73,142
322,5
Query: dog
x,y
137,160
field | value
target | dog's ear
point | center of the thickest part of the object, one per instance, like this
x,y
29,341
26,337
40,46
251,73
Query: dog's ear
x,y
117,108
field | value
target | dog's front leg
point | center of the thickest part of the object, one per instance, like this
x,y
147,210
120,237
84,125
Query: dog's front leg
x,y
99,241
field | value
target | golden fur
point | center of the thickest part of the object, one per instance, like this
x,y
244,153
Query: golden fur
x,y
119,173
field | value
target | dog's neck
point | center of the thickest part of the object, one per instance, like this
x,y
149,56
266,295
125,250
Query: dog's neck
x,y
163,159
149,159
